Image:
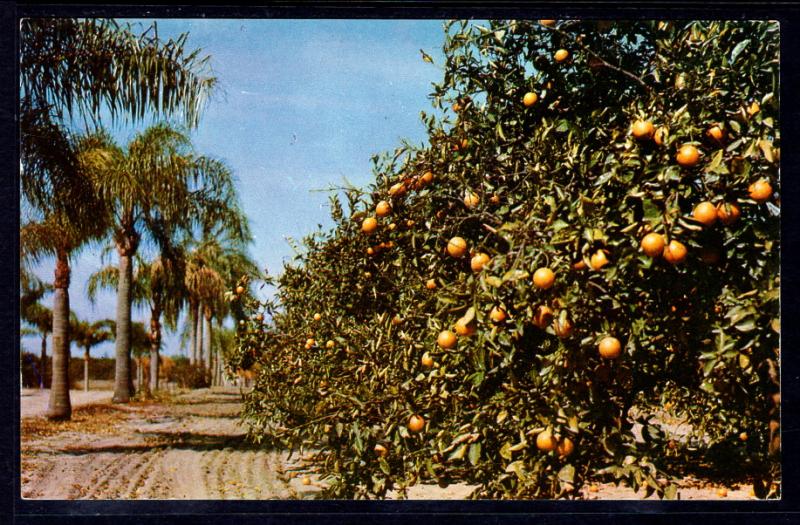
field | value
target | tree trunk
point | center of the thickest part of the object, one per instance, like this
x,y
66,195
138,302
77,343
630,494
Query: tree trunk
x,y
207,338
59,407
86,370
155,344
192,318
126,246
43,361
200,340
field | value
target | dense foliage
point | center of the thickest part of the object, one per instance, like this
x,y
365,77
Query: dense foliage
x,y
522,404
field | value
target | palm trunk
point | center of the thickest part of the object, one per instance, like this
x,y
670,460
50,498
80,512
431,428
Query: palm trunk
x,y
126,246
192,318
43,361
155,344
207,338
86,369
200,340
59,406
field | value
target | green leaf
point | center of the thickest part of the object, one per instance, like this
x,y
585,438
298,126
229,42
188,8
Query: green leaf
x,y
505,451
459,453
738,49
474,453
566,474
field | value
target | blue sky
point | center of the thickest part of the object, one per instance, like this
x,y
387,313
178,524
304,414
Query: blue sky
x,y
302,104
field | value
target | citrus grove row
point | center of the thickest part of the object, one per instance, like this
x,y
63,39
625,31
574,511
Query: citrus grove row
x,y
575,279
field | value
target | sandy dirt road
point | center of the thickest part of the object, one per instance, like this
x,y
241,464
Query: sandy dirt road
x,y
194,448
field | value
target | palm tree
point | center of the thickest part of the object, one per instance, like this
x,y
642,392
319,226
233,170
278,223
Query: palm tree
x,y
88,335
35,315
156,187
71,68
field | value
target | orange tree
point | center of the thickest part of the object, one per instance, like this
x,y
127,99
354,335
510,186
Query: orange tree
x,y
585,253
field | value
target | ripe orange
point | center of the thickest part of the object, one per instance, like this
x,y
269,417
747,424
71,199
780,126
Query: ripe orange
x,y
728,213
545,441
547,23
383,209
530,99
579,265
369,225
380,450
260,318
760,190
311,342
446,339
610,348
457,247
687,156
479,262
398,190
471,199
498,314
317,317
465,329
653,244
430,284
722,492
330,344
306,480
563,328
239,290
643,130
416,423
743,436
565,447
675,252
561,55
715,132
464,143
705,213
495,199
425,179
544,278
660,135
542,316
598,260
396,320
410,223
426,360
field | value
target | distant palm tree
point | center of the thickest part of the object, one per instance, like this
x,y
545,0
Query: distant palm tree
x,y
34,314
68,69
87,335
155,187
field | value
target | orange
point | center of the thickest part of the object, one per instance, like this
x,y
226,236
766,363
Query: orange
x,y
431,284
743,436
653,244
722,492
260,318
643,130
547,23
478,262
380,450
530,99
446,339
561,55
306,480
498,314
705,213
610,348
416,423
760,190
311,342
544,278
660,135
471,199
675,252
317,317
545,441
369,225
239,290
464,143
425,179
456,107
427,360
728,213
598,260
715,132
398,190
465,329
396,320
330,344
563,328
579,265
383,209
542,316
687,156
370,251
457,247
565,447
495,199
